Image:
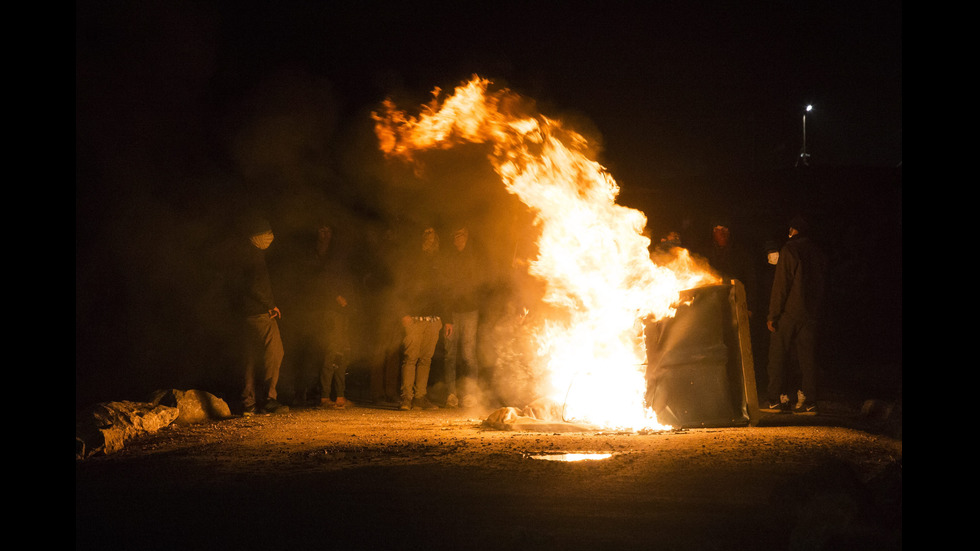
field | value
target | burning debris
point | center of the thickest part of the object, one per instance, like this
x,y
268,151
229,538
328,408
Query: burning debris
x,y
600,285
540,415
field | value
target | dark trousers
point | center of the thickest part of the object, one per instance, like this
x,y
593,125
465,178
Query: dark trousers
x,y
336,357
792,336
263,358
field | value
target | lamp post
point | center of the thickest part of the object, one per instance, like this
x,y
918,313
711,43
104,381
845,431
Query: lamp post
x,y
804,156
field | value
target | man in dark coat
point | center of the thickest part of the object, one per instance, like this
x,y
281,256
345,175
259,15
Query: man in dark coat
x,y
795,308
731,261
255,303
334,296
463,273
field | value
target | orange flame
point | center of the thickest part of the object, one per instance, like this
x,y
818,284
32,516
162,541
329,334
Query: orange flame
x,y
592,254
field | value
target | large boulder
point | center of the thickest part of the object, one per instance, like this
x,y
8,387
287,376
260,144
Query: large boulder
x,y
195,406
105,427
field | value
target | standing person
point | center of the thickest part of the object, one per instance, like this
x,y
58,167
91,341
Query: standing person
x,y
296,271
421,306
731,262
263,351
333,297
795,308
463,274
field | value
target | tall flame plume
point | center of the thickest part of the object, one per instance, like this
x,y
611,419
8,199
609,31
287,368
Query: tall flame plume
x,y
593,258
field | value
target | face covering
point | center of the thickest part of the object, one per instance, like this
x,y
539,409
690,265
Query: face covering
x,y
263,240
773,258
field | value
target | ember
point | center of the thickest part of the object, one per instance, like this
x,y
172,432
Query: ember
x,y
601,284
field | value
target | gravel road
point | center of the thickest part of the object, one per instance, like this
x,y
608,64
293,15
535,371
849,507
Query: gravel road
x,y
376,478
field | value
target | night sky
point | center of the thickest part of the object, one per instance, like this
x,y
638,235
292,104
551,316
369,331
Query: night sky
x,y
189,112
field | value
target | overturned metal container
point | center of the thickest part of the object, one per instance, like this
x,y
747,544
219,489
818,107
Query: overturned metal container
x,y
700,371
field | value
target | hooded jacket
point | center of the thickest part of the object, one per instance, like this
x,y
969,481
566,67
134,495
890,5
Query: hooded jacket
x,y
799,284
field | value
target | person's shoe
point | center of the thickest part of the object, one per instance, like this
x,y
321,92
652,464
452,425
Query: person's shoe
x,y
343,403
808,408
423,403
273,406
804,407
248,411
406,405
452,401
326,403
782,406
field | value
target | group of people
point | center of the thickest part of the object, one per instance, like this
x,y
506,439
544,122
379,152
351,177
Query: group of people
x,y
440,291
435,294
790,292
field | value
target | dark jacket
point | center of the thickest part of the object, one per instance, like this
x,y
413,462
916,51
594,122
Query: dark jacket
x,y
420,290
331,278
799,285
252,287
463,273
732,262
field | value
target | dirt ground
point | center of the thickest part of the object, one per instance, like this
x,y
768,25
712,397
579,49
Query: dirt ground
x,y
376,478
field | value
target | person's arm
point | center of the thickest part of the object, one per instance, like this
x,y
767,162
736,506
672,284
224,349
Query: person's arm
x,y
780,288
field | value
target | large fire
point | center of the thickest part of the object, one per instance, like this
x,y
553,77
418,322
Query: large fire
x,y
593,258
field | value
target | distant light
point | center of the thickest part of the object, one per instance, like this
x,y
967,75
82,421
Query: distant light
x,y
809,108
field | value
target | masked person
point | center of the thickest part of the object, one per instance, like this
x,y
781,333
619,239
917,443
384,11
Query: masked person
x,y
262,344
795,309
334,294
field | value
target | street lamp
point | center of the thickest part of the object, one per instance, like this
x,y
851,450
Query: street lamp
x,y
804,156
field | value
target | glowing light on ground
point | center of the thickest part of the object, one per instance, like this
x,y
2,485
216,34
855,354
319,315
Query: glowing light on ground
x,y
571,457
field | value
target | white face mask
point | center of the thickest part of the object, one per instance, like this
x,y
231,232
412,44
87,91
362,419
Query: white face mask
x,y
263,240
773,258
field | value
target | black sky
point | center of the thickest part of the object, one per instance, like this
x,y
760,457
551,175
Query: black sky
x,y
185,102
677,87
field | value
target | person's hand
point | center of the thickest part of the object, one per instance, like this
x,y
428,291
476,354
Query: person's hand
x,y
771,325
275,313
341,301
449,330
406,321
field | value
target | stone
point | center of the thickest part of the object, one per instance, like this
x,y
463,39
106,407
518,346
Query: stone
x,y
195,406
105,427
